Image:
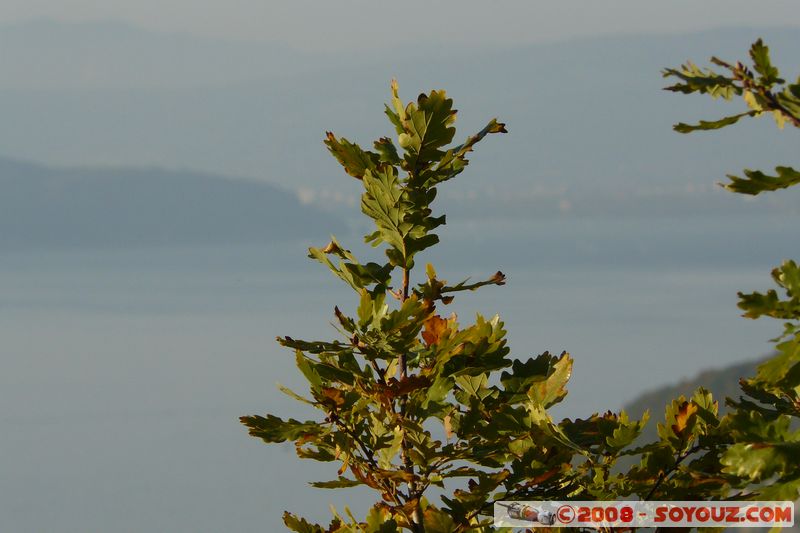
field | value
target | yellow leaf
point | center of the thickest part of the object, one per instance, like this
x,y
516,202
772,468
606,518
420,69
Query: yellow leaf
x,y
345,463
685,411
751,101
780,120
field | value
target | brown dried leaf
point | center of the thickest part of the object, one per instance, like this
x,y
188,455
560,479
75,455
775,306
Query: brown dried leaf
x,y
448,426
435,326
685,411
334,396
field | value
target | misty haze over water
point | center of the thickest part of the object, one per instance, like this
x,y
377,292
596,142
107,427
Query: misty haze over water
x,y
141,289
125,371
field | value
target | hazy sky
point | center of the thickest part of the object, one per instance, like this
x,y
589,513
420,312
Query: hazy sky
x,y
347,24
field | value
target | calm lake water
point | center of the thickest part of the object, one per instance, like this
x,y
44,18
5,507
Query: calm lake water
x,y
124,372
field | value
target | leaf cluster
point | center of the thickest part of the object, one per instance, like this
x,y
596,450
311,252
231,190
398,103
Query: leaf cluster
x,y
764,92
411,401
763,441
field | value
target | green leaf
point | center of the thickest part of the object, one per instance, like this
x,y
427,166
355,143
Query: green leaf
x,y
787,276
751,426
783,490
789,102
522,376
759,53
409,317
387,151
455,161
437,521
758,461
294,395
553,389
520,446
682,127
398,116
757,182
355,161
340,483
627,432
658,460
497,279
438,390
380,521
381,202
474,386
386,455
777,382
371,309
308,370
427,127
350,270
694,79
371,273
274,429
543,421
300,525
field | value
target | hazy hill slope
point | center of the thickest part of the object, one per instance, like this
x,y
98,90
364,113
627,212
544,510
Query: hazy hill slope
x,y
52,207
722,382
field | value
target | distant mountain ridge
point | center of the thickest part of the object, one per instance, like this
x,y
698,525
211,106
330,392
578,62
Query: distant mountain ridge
x,y
721,382
77,207
587,117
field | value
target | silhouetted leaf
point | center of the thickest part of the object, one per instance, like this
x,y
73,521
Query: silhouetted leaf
x,y
340,483
682,127
760,461
274,429
757,182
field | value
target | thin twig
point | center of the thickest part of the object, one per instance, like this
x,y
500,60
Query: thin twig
x,y
673,468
